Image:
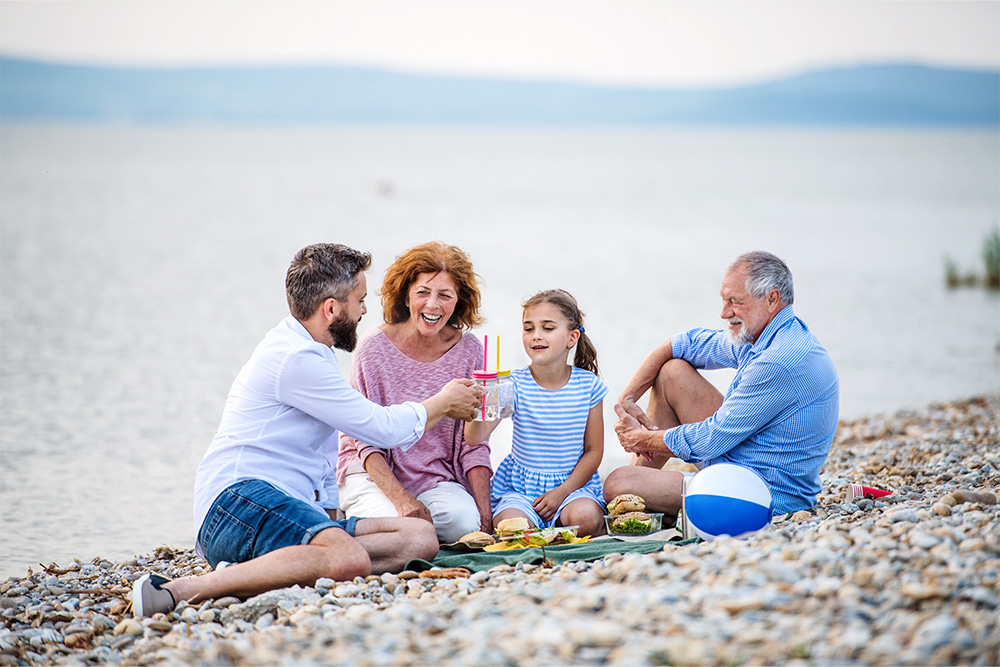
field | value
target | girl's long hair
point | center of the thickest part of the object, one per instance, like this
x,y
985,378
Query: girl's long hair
x,y
586,353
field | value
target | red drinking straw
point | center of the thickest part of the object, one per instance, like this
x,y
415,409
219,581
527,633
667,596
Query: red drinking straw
x,y
483,411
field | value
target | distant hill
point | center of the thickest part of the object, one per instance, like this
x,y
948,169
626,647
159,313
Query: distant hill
x,y
897,94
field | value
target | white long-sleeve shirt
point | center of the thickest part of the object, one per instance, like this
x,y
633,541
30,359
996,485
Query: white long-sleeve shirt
x,y
282,418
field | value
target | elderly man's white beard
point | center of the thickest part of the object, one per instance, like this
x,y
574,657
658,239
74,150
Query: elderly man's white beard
x,y
741,336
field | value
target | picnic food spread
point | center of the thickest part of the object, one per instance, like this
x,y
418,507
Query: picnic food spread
x,y
537,537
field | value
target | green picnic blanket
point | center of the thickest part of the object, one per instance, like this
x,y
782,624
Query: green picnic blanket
x,y
477,561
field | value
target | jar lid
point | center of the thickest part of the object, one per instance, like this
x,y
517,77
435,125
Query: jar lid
x,y
503,372
484,375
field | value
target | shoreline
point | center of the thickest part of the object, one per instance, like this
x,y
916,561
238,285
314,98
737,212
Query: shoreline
x,y
904,579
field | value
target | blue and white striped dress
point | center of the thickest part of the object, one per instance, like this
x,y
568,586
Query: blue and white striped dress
x,y
547,443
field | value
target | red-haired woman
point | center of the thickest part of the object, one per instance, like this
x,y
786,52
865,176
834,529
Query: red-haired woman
x,y
430,298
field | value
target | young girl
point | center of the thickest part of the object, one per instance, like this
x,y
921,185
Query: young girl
x,y
550,477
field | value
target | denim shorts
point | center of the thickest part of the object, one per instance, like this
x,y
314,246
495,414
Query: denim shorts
x,y
252,518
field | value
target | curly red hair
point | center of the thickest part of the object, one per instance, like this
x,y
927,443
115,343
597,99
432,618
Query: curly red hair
x,y
432,257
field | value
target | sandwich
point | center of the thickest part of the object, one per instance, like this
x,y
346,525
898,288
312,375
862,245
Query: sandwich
x,y
637,523
512,527
627,502
476,539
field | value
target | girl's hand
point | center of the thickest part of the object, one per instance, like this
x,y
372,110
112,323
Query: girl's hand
x,y
548,503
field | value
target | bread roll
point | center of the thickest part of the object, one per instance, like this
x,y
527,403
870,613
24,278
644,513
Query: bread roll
x,y
509,527
627,502
477,539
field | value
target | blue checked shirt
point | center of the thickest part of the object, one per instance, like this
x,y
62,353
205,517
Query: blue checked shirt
x,y
779,414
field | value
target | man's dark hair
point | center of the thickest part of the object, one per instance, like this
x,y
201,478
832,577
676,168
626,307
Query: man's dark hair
x,y
321,271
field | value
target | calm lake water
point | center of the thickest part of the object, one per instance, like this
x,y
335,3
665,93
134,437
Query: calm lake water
x,y
140,267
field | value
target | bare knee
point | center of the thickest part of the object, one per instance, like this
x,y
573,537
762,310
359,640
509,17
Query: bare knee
x,y
345,559
671,373
619,481
424,539
586,514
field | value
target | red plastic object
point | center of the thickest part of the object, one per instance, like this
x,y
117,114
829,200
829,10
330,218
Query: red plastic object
x,y
856,491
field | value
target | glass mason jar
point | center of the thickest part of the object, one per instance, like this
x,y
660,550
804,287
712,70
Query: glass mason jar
x,y
489,408
505,385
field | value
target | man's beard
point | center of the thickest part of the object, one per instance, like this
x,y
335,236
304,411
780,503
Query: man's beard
x,y
344,331
741,336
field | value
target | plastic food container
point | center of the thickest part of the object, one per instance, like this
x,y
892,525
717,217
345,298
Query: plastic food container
x,y
626,524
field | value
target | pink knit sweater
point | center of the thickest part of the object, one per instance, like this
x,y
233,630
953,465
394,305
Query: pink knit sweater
x,y
387,376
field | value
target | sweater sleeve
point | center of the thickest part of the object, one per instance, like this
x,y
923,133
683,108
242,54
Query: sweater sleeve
x,y
368,363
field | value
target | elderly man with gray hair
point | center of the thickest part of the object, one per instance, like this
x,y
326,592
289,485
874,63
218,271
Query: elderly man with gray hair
x,y
777,418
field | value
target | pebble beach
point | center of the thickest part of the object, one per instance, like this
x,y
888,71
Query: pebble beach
x,y
909,579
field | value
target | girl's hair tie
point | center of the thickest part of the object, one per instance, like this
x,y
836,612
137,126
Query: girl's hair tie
x,y
583,330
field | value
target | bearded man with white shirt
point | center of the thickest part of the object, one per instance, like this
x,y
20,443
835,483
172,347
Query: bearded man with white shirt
x,y
266,491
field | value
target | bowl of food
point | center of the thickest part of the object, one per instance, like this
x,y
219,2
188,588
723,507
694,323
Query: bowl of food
x,y
633,523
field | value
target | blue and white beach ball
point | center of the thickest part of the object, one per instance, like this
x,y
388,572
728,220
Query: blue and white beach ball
x,y
727,499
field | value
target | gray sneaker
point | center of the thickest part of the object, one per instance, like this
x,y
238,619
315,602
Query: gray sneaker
x,y
149,597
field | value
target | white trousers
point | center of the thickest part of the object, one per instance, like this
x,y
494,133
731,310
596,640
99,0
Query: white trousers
x,y
452,508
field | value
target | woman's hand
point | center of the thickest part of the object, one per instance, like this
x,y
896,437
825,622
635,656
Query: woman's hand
x,y
548,503
486,521
411,507
479,479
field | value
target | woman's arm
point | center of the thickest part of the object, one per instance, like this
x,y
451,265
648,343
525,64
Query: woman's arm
x,y
406,505
593,451
479,480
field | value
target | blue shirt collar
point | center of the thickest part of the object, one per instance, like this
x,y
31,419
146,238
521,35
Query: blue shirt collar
x,y
781,318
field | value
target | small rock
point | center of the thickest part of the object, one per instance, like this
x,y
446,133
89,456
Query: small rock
x,y
129,626
160,626
941,509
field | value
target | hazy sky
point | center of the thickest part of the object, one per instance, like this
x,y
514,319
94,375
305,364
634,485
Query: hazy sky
x,y
615,41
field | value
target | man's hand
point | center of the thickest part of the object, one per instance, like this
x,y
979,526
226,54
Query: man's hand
x,y
636,412
458,399
636,438
463,396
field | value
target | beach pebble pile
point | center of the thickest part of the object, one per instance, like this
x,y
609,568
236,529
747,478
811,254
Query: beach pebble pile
x,y
910,579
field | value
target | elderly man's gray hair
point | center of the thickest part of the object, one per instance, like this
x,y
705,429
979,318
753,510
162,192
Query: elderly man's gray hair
x,y
765,272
